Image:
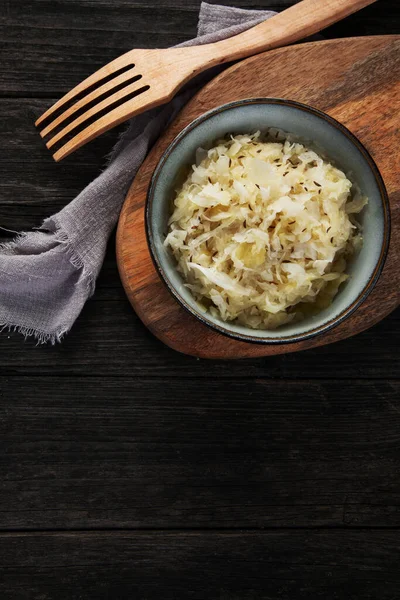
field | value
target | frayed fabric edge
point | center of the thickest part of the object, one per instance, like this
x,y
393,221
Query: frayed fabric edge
x,y
10,245
43,337
40,336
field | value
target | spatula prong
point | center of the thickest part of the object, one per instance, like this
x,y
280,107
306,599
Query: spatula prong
x,y
125,78
113,118
134,88
126,60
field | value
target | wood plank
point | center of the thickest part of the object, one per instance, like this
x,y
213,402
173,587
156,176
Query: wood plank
x,y
48,47
172,453
323,565
109,338
32,185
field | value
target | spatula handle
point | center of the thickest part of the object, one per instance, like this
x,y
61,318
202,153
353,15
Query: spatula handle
x,y
294,23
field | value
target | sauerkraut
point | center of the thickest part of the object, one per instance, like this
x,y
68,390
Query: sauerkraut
x,y
262,229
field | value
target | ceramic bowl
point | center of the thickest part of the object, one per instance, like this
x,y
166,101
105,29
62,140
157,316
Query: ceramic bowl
x,y
311,126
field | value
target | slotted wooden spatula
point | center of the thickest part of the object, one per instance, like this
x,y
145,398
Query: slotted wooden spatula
x,y
142,79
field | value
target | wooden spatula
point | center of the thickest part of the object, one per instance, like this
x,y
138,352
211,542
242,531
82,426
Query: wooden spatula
x,y
142,79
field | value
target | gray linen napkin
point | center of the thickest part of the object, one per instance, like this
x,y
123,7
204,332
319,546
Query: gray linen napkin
x,y
47,275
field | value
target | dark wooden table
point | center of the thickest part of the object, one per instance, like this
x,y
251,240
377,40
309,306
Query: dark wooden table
x,y
129,471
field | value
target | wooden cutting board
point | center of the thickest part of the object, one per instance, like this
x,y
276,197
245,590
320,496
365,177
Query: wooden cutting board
x,y
356,81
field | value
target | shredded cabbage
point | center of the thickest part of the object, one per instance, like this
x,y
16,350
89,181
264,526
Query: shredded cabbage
x,y
262,230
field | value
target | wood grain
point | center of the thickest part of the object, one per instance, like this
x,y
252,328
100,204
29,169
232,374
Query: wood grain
x,y
353,81
150,452
264,565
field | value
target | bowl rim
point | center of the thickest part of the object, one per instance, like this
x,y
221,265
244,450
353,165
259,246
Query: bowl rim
x,y
364,293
